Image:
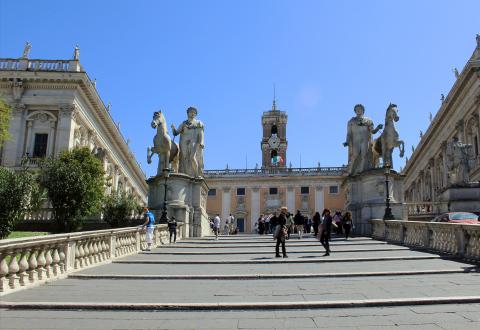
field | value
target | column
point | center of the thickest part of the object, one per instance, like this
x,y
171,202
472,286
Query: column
x,y
319,199
226,203
13,148
291,199
65,128
51,138
28,141
255,206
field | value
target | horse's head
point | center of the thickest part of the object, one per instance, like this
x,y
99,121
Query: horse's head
x,y
158,119
392,113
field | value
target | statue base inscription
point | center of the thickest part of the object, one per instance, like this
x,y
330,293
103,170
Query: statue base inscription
x,y
465,198
186,201
366,197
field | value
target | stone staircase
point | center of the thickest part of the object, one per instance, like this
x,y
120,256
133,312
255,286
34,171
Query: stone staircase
x,y
236,283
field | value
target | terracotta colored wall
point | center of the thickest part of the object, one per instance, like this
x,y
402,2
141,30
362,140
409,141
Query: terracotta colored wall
x,y
214,203
335,201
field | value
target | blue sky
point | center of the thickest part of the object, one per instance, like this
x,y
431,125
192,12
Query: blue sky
x,y
224,57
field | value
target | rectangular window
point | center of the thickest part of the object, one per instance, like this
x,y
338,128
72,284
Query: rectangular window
x,y
212,192
333,190
40,145
304,190
273,191
240,191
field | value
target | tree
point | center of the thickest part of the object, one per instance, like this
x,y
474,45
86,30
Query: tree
x,y
75,186
118,208
5,115
19,195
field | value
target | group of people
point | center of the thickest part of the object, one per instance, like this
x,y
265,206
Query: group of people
x,y
229,227
149,226
285,223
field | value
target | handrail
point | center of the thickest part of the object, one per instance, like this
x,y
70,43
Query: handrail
x,y
30,261
460,240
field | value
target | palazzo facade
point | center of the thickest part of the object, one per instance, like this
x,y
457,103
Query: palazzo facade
x,y
56,107
427,172
248,193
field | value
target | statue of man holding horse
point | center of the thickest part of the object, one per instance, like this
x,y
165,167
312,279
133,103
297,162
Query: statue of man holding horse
x,y
359,141
191,144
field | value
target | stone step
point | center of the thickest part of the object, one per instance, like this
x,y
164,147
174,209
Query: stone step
x,y
272,276
241,306
275,260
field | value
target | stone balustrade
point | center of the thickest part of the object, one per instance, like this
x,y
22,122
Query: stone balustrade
x,y
32,261
459,240
11,64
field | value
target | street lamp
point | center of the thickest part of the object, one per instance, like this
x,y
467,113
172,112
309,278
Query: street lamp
x,y
166,175
388,211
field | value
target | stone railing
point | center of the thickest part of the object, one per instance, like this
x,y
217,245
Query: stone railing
x,y
459,240
12,64
32,261
313,171
426,208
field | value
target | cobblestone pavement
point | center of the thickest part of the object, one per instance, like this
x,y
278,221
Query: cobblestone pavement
x,y
244,270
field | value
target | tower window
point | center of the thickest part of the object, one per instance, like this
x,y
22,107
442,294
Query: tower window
x,y
304,190
273,191
40,145
274,153
240,191
274,129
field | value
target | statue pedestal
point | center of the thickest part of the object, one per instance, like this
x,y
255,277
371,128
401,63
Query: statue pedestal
x,y
465,198
186,200
366,198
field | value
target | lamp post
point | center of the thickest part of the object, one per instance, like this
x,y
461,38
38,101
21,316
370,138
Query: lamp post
x,y
388,211
166,175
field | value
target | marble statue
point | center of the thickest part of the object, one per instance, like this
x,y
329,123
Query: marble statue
x,y
76,53
166,149
478,40
191,144
26,50
459,162
389,139
442,98
456,73
359,141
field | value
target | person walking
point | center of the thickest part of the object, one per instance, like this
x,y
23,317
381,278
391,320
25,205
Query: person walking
x,y
326,230
281,233
216,226
261,225
347,223
290,224
149,226
172,228
299,223
337,218
316,223
273,224
231,224
267,224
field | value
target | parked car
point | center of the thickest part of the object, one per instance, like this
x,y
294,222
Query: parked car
x,y
457,217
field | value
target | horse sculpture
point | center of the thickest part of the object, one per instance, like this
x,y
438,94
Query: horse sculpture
x,y
163,146
383,146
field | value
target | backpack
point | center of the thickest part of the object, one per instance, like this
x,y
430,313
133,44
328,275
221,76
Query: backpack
x,y
283,231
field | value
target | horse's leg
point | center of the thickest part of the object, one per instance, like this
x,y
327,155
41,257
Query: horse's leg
x,y
149,155
401,146
166,161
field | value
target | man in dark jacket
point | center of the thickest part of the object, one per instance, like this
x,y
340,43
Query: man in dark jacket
x,y
326,230
172,228
281,233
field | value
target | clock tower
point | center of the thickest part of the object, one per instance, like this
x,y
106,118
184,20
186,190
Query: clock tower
x,y
274,139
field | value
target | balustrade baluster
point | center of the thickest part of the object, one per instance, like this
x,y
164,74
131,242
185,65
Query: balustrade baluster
x,y
12,270
96,256
78,256
61,255
23,266
41,263
3,272
48,262
32,266
55,261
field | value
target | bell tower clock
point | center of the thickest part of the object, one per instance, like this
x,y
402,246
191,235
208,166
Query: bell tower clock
x,y
274,139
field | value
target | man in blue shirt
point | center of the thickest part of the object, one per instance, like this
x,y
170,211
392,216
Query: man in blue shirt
x,y
149,225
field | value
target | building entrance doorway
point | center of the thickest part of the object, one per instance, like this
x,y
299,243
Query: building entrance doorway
x,y
241,225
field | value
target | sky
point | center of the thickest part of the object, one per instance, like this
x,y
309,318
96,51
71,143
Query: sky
x,y
224,57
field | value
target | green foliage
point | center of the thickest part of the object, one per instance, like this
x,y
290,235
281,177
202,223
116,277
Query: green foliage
x,y
19,195
5,115
118,208
75,187
22,234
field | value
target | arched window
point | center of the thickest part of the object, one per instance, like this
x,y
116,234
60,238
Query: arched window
x,y
274,129
274,153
